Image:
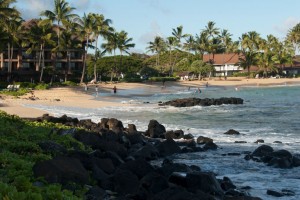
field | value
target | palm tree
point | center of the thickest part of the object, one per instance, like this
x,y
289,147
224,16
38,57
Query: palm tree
x,y
37,38
110,46
124,43
101,28
7,12
294,36
61,13
178,34
171,44
201,43
13,29
157,46
212,36
250,43
86,27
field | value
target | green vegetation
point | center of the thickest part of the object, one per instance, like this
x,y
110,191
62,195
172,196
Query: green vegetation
x,y
171,55
19,151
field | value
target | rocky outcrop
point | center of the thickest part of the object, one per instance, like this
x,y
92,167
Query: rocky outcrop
x,y
280,158
118,164
187,102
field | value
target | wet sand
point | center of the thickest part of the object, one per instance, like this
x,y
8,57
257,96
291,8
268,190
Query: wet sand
x,y
78,97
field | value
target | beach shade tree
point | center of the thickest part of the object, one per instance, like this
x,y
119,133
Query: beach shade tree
x,y
249,48
111,46
61,13
201,68
14,33
171,43
266,61
201,43
7,12
212,34
157,46
293,36
179,35
101,28
36,38
284,53
85,28
124,44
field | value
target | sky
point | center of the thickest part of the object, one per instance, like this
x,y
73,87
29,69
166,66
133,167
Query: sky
x,y
145,19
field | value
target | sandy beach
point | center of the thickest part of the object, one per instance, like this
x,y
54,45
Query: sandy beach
x,y
78,97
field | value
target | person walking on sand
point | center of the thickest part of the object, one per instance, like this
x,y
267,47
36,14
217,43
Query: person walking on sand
x,y
115,89
86,87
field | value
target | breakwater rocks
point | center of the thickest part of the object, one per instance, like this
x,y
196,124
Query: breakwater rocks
x,y
118,166
187,102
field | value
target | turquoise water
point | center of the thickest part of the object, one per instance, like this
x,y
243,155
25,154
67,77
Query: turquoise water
x,y
268,113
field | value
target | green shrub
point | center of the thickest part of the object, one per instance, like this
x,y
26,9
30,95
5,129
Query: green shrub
x,y
160,79
42,86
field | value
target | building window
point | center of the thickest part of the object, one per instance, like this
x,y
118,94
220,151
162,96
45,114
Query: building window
x,y
25,65
72,65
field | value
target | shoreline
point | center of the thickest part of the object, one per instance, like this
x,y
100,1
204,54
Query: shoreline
x,y
77,97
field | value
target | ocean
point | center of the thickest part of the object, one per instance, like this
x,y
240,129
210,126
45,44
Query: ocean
x,y
270,113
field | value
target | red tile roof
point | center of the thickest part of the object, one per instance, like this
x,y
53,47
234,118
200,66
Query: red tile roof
x,y
221,59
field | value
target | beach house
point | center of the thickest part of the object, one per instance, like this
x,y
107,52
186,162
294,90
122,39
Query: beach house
x,y
224,64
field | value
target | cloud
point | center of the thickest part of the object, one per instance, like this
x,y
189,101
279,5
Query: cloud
x,y
156,5
286,25
150,35
31,8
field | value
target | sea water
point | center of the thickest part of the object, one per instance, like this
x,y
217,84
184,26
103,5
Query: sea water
x,y
269,113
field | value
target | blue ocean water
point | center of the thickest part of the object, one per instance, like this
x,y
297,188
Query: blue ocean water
x,y
269,113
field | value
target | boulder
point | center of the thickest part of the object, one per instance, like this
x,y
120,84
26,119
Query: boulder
x,y
154,183
263,150
232,132
139,167
167,148
96,193
210,146
205,182
125,182
178,134
187,102
155,130
61,170
203,140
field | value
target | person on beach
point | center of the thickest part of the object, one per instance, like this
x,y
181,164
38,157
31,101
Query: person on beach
x,y
206,84
96,89
115,89
86,87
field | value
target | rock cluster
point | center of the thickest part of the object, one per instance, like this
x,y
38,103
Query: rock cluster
x,y
187,102
119,164
280,158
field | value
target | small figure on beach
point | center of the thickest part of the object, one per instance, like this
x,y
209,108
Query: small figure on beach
x,y
206,84
96,89
199,90
86,87
115,89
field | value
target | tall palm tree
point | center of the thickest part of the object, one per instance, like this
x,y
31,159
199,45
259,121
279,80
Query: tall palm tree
x,y
13,29
157,46
171,43
101,28
201,43
6,11
178,34
294,36
110,46
212,34
250,43
86,27
124,44
36,39
61,13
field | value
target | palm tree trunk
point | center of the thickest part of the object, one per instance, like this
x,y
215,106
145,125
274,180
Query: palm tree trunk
x,y
96,58
43,62
115,66
84,60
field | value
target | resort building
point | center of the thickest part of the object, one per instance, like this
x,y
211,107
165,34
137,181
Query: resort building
x,y
17,65
224,64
